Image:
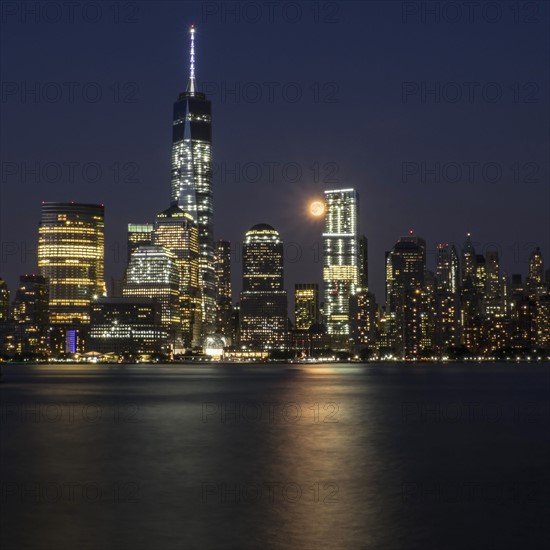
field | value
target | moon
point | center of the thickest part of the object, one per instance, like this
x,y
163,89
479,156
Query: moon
x,y
317,208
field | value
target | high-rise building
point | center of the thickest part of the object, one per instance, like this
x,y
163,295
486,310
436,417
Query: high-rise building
x,y
192,185
31,315
153,273
341,258
536,266
4,301
405,276
177,231
364,263
263,307
468,260
138,235
363,320
224,308
306,305
447,298
71,256
127,326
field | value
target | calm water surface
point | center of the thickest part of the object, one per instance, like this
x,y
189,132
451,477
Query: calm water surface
x,y
273,456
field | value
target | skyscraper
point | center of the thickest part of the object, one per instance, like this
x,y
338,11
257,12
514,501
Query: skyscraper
x,y
263,309
468,260
447,298
31,315
192,185
224,308
306,305
138,235
153,273
71,256
341,254
405,277
177,231
4,301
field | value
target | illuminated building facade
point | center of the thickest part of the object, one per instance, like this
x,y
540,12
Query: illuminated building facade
x,y
363,320
138,235
306,305
127,326
447,298
177,231
71,256
4,301
263,307
153,273
405,277
192,184
341,258
224,309
31,315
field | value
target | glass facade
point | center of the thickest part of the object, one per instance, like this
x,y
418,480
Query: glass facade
x,y
306,305
71,255
138,235
341,257
153,273
177,231
192,185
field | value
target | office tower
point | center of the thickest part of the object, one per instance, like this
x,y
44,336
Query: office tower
x,y
224,308
71,256
153,273
405,273
535,283
493,282
31,315
138,235
127,326
447,298
4,301
522,310
536,266
263,310
306,305
177,231
363,263
341,256
468,260
362,309
192,185
541,312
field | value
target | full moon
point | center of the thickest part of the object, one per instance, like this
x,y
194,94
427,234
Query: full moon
x,y
317,208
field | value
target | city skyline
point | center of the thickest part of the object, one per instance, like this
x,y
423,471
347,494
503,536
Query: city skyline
x,y
394,196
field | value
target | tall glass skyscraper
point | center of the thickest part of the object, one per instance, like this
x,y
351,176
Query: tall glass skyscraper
x,y
192,185
71,256
341,258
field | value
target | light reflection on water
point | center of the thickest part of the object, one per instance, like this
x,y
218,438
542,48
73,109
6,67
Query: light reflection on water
x,y
275,456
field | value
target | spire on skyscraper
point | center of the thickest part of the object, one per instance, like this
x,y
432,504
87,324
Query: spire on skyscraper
x,y
191,86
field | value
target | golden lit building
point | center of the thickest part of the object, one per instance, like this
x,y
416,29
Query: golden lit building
x,y
176,231
306,305
31,316
71,254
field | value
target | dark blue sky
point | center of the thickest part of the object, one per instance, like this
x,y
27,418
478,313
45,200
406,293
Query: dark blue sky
x,y
347,109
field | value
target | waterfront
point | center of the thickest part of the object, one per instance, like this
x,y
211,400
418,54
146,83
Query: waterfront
x,y
275,456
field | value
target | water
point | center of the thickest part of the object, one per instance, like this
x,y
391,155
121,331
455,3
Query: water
x,y
275,456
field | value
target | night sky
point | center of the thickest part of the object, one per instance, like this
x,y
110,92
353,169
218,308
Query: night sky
x,y
345,109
